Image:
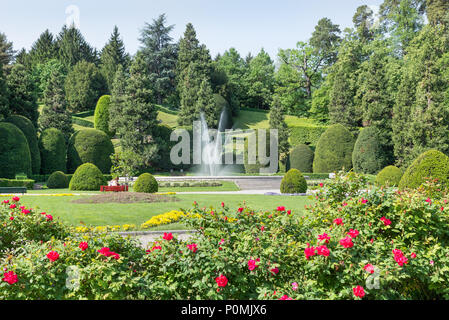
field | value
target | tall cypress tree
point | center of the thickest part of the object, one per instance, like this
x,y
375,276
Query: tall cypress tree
x,y
277,122
54,113
112,56
161,56
118,91
22,93
205,103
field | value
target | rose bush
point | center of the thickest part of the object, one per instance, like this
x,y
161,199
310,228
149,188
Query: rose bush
x,y
354,242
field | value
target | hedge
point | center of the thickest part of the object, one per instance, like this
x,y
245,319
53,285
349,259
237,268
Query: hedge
x,y
389,177
334,150
430,164
30,133
368,155
10,183
53,151
57,180
308,135
82,122
146,183
15,154
301,158
87,178
293,182
90,146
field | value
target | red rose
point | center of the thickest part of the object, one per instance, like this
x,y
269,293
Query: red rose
x,y
359,292
222,281
13,206
281,209
369,268
53,256
10,277
16,199
168,236
309,252
193,247
413,255
49,217
323,251
252,265
275,270
347,242
324,237
285,297
386,221
83,246
338,221
353,233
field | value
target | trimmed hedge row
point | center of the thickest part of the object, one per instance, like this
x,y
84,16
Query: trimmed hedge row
x,y
82,122
8,183
306,135
45,177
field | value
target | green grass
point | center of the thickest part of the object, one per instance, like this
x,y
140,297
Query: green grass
x,y
170,120
138,213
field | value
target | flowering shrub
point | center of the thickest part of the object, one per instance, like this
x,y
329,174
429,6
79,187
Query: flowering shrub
x,y
166,218
354,242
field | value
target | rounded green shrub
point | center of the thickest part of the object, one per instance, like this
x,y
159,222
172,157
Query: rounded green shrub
x,y
87,178
15,154
334,150
389,177
301,158
30,133
146,183
57,180
368,156
90,146
101,120
293,182
430,164
53,151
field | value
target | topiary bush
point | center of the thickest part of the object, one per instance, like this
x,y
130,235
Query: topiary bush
x,y
431,164
101,120
53,151
57,180
368,156
15,154
334,150
90,146
87,178
389,177
146,183
301,158
30,133
293,182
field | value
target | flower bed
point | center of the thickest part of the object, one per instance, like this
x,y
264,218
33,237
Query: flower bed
x,y
353,244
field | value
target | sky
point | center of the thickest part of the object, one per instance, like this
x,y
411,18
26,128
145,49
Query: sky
x,y
247,25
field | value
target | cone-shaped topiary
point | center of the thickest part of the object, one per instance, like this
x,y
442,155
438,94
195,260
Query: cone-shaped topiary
x,y
15,154
53,151
101,120
431,164
90,146
301,158
30,133
368,156
334,150
146,183
57,180
293,182
389,177
87,178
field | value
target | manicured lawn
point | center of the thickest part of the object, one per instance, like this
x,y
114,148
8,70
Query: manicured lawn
x,y
138,213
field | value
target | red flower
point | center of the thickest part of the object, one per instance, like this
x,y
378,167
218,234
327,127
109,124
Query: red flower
x,y
108,253
16,199
428,201
323,251
369,268
53,256
364,201
386,221
281,209
13,206
324,237
338,221
321,185
25,211
399,257
262,228
347,242
193,247
222,204
168,236
275,270
359,292
289,212
11,218
5,201
49,217
353,233
413,255
10,277
252,265
285,297
240,210
222,281
83,246
309,252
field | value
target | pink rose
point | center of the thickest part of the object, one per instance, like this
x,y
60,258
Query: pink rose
x,y
347,242
369,268
353,233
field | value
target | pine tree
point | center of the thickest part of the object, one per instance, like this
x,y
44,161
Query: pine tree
x,y
438,12
73,48
22,93
44,49
6,51
138,124
112,56
161,56
189,95
54,113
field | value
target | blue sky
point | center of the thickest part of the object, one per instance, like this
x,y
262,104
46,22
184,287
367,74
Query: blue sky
x,y
247,25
